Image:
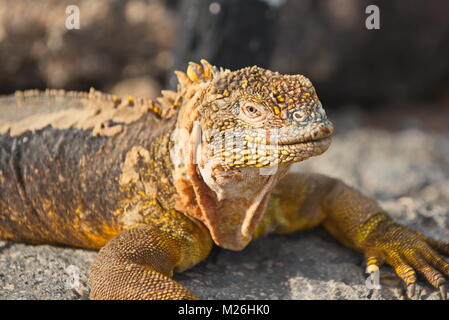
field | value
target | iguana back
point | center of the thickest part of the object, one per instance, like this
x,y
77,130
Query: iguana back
x,y
62,158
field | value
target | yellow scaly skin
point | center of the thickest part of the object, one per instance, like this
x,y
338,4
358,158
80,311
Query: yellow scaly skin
x,y
214,172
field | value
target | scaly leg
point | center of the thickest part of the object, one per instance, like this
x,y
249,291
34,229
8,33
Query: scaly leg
x,y
301,201
139,264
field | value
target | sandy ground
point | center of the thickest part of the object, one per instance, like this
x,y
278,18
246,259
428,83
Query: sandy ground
x,y
406,170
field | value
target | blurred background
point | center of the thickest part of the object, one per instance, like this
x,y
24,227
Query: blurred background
x,y
132,46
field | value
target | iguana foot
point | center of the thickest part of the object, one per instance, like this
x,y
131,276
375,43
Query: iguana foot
x,y
408,252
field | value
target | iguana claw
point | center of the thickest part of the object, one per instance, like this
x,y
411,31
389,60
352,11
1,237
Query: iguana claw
x,y
408,252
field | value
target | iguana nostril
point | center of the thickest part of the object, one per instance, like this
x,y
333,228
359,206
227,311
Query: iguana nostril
x,y
322,130
326,130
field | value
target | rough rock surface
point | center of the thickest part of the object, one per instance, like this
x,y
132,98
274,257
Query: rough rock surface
x,y
407,170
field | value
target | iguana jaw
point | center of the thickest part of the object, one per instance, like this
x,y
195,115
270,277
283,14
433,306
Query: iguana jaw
x,y
242,153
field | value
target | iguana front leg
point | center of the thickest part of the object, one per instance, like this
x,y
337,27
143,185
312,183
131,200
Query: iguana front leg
x,y
139,264
305,200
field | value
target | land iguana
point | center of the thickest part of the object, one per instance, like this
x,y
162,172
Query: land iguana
x,y
155,184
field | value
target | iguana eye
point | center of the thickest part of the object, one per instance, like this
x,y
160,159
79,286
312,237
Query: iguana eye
x,y
299,116
251,111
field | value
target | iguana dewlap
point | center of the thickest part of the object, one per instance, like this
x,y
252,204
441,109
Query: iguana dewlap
x,y
154,184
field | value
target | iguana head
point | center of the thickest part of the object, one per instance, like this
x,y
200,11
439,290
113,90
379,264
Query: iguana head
x,y
241,131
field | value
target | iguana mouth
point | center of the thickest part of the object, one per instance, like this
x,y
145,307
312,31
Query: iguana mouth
x,y
264,155
317,142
